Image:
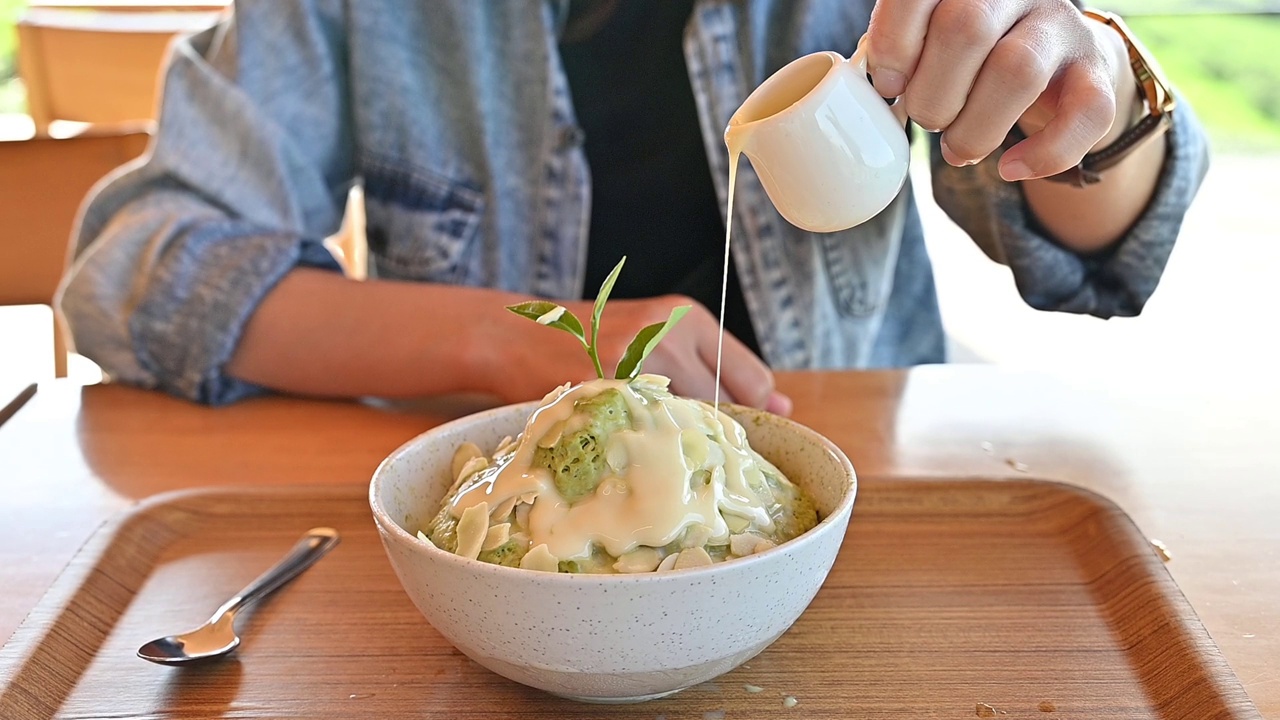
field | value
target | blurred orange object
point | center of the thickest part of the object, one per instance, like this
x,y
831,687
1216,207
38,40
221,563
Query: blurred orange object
x,y
43,181
97,67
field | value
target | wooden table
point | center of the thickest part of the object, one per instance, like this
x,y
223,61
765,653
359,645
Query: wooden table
x,y
1190,459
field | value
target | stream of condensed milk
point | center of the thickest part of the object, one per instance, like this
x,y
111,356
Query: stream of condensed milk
x,y
734,142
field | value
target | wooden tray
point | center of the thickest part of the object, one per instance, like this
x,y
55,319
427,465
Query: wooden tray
x,y
950,599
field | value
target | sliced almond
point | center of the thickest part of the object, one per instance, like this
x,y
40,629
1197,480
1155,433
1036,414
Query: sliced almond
x,y
507,445
764,545
744,544
668,562
465,452
472,528
528,498
555,394
696,536
552,436
691,558
522,516
540,558
503,510
736,523
617,457
642,559
425,539
472,466
652,381
497,536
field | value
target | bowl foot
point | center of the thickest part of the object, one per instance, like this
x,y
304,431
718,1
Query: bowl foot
x,y
619,700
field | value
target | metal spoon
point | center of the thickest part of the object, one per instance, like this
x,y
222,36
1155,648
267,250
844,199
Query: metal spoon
x,y
218,636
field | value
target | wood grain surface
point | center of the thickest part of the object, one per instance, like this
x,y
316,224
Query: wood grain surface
x,y
1192,462
949,599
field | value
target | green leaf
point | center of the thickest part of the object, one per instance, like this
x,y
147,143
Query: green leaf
x,y
550,314
593,349
644,343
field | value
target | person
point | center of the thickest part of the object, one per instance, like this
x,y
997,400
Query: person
x,y
516,149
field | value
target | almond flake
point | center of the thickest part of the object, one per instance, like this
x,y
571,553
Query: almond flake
x,y
642,559
497,536
743,545
736,523
473,466
464,454
540,558
552,436
555,394
508,443
472,527
617,458
696,536
503,511
652,381
764,545
522,516
668,562
691,558
425,539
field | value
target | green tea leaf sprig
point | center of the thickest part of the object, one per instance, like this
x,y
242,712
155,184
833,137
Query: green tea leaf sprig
x,y
556,316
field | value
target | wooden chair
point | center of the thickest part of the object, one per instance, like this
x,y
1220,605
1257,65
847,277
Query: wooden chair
x,y
132,5
97,67
43,182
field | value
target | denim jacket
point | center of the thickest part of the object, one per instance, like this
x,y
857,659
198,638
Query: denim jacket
x,y
455,116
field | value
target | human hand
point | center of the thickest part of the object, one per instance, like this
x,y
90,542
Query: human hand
x,y
537,360
971,69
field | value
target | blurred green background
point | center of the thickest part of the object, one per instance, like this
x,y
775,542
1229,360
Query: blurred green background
x,y
1224,56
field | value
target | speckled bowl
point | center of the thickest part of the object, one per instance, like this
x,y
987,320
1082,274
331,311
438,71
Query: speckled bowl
x,y
609,638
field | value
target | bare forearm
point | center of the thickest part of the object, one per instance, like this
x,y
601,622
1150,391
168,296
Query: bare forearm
x,y
318,333
1092,218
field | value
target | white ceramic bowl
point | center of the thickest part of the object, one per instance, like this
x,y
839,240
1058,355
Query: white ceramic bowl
x,y
609,638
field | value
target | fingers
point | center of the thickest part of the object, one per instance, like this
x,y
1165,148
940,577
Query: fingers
x,y
1085,109
743,376
1015,74
961,34
895,38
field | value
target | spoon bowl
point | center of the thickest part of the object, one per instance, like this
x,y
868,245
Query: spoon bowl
x,y
207,641
217,637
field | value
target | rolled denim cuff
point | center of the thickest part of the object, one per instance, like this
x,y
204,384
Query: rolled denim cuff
x,y
1116,282
199,298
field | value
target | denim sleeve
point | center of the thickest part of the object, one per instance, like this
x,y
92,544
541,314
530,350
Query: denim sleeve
x,y
247,173
1114,283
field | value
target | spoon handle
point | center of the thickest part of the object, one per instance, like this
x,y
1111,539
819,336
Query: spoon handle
x,y
313,546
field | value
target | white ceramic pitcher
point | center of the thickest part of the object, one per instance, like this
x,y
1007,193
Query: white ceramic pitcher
x,y
828,149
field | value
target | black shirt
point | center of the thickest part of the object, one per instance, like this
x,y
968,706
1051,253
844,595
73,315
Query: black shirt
x,y
652,194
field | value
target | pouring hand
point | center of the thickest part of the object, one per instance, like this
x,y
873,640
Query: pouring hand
x,y
973,68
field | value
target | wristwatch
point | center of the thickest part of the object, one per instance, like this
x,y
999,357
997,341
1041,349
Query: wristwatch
x,y
1157,96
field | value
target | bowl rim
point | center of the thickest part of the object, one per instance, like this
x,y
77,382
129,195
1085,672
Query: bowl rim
x,y
386,524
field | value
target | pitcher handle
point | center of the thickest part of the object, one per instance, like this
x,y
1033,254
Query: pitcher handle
x,y
859,60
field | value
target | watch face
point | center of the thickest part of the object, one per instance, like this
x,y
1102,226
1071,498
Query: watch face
x,y
1145,67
